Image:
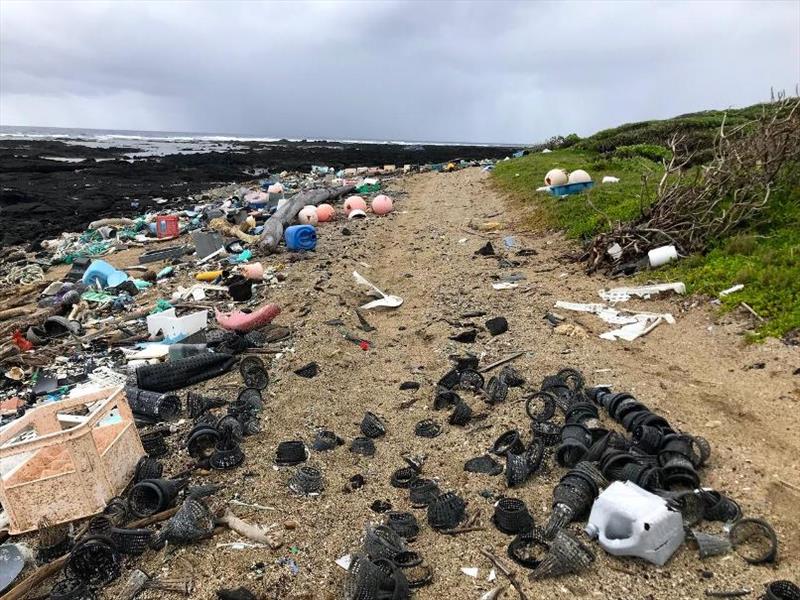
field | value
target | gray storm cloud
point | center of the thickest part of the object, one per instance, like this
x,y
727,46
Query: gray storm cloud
x,y
438,71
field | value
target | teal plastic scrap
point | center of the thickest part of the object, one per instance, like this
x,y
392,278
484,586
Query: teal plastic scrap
x,y
243,257
368,188
161,306
96,296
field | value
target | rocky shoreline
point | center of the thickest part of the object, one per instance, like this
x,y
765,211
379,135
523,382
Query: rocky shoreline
x,y
41,197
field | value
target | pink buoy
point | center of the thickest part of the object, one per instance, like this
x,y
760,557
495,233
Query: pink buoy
x,y
354,202
253,271
382,205
325,213
308,215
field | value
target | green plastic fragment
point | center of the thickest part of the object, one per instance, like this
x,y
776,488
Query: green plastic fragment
x,y
161,306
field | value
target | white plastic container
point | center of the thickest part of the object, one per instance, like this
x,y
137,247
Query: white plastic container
x,y
630,521
175,328
662,255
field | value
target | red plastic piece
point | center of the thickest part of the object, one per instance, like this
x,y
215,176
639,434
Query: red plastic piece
x,y
167,226
22,343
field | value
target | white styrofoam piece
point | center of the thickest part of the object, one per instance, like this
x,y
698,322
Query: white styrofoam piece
x,y
176,328
731,290
623,294
634,324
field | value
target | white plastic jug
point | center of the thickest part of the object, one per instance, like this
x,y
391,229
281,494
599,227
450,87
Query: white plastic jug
x,y
630,521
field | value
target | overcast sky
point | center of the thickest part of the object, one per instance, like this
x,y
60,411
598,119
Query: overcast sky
x,y
435,71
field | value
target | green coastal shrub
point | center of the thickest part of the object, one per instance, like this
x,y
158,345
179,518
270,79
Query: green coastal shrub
x,y
652,152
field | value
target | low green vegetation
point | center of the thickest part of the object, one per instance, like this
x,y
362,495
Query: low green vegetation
x,y
696,129
764,256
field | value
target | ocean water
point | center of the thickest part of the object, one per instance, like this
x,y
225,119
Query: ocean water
x,y
162,143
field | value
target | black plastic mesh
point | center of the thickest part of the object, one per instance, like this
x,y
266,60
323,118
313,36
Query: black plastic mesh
x,y
100,525
718,507
517,469
403,477
572,378
372,426
496,390
418,576
230,431
147,468
570,452
131,541
363,581
53,541
589,471
687,503
197,404
470,380
71,589
541,405
151,496
226,456
427,428
95,561
254,372
648,439
711,545
447,511
535,454
561,516
754,540
461,414
381,541
201,441
483,464
325,440
680,473
567,554
580,412
511,516
176,374
782,590
290,453
450,379
445,399
378,580
547,431
644,476
363,445
192,522
677,446
511,377
153,405
306,480
422,492
117,510
509,441
251,398
528,548
403,524
154,444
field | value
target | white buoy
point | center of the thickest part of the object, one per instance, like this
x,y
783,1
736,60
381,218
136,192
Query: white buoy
x,y
579,176
555,177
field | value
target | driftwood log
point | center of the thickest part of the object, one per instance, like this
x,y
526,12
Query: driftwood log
x,y
273,228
